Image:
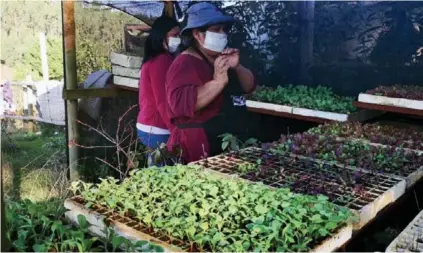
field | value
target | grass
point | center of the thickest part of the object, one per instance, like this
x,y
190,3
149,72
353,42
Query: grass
x,y
34,166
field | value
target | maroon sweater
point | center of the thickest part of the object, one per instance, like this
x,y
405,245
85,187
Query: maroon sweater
x,y
184,77
152,92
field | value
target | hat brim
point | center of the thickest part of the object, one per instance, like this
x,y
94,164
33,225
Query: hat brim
x,y
223,19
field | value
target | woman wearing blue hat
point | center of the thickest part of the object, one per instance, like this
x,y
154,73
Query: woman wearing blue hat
x,y
205,86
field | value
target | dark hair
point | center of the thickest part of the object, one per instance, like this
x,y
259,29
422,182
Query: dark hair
x,y
154,43
188,39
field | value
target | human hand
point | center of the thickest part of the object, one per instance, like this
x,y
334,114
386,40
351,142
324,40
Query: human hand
x,y
233,56
221,67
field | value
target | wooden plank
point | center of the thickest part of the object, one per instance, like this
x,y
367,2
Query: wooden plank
x,y
126,88
390,101
93,93
288,115
388,108
34,118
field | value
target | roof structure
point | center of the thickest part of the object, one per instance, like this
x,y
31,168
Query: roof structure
x,y
143,10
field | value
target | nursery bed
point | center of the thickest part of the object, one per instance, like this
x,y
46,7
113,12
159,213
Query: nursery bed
x,y
353,154
375,191
131,229
375,134
99,217
410,239
410,179
269,108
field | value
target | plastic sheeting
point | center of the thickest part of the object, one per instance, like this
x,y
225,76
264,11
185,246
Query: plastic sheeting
x,y
142,10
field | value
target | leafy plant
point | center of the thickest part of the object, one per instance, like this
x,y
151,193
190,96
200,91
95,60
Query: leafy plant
x,y
41,227
375,133
213,214
351,153
413,92
231,143
319,98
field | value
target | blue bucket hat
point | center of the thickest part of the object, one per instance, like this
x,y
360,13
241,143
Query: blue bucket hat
x,y
205,14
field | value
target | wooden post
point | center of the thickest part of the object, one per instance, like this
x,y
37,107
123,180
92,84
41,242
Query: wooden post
x,y
25,99
68,19
5,244
306,39
43,51
168,8
31,103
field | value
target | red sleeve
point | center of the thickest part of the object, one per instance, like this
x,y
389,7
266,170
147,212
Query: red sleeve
x,y
182,81
158,70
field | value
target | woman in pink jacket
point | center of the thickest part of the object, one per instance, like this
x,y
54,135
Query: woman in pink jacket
x,y
153,121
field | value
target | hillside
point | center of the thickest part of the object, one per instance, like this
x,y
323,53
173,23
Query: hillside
x,y
98,32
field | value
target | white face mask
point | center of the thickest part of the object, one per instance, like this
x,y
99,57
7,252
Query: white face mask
x,y
215,41
173,44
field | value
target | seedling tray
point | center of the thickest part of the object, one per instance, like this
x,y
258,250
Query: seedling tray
x,y
389,101
126,72
99,216
410,179
410,239
269,108
125,59
126,82
369,194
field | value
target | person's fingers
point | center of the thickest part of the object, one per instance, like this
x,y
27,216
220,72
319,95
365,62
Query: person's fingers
x,y
227,51
222,63
225,62
226,66
219,60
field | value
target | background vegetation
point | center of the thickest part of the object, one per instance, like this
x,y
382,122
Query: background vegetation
x,y
98,32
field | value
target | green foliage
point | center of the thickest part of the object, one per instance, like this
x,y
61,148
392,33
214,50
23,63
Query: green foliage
x,y
31,60
218,214
40,227
375,133
97,33
352,153
231,143
319,98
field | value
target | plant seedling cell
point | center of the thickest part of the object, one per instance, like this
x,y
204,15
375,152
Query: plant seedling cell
x,y
364,192
98,216
410,239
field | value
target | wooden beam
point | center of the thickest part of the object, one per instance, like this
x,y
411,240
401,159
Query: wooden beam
x,y
5,243
94,93
33,118
389,108
288,115
168,8
127,88
68,17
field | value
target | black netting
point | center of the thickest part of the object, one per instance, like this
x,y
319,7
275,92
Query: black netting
x,y
355,45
